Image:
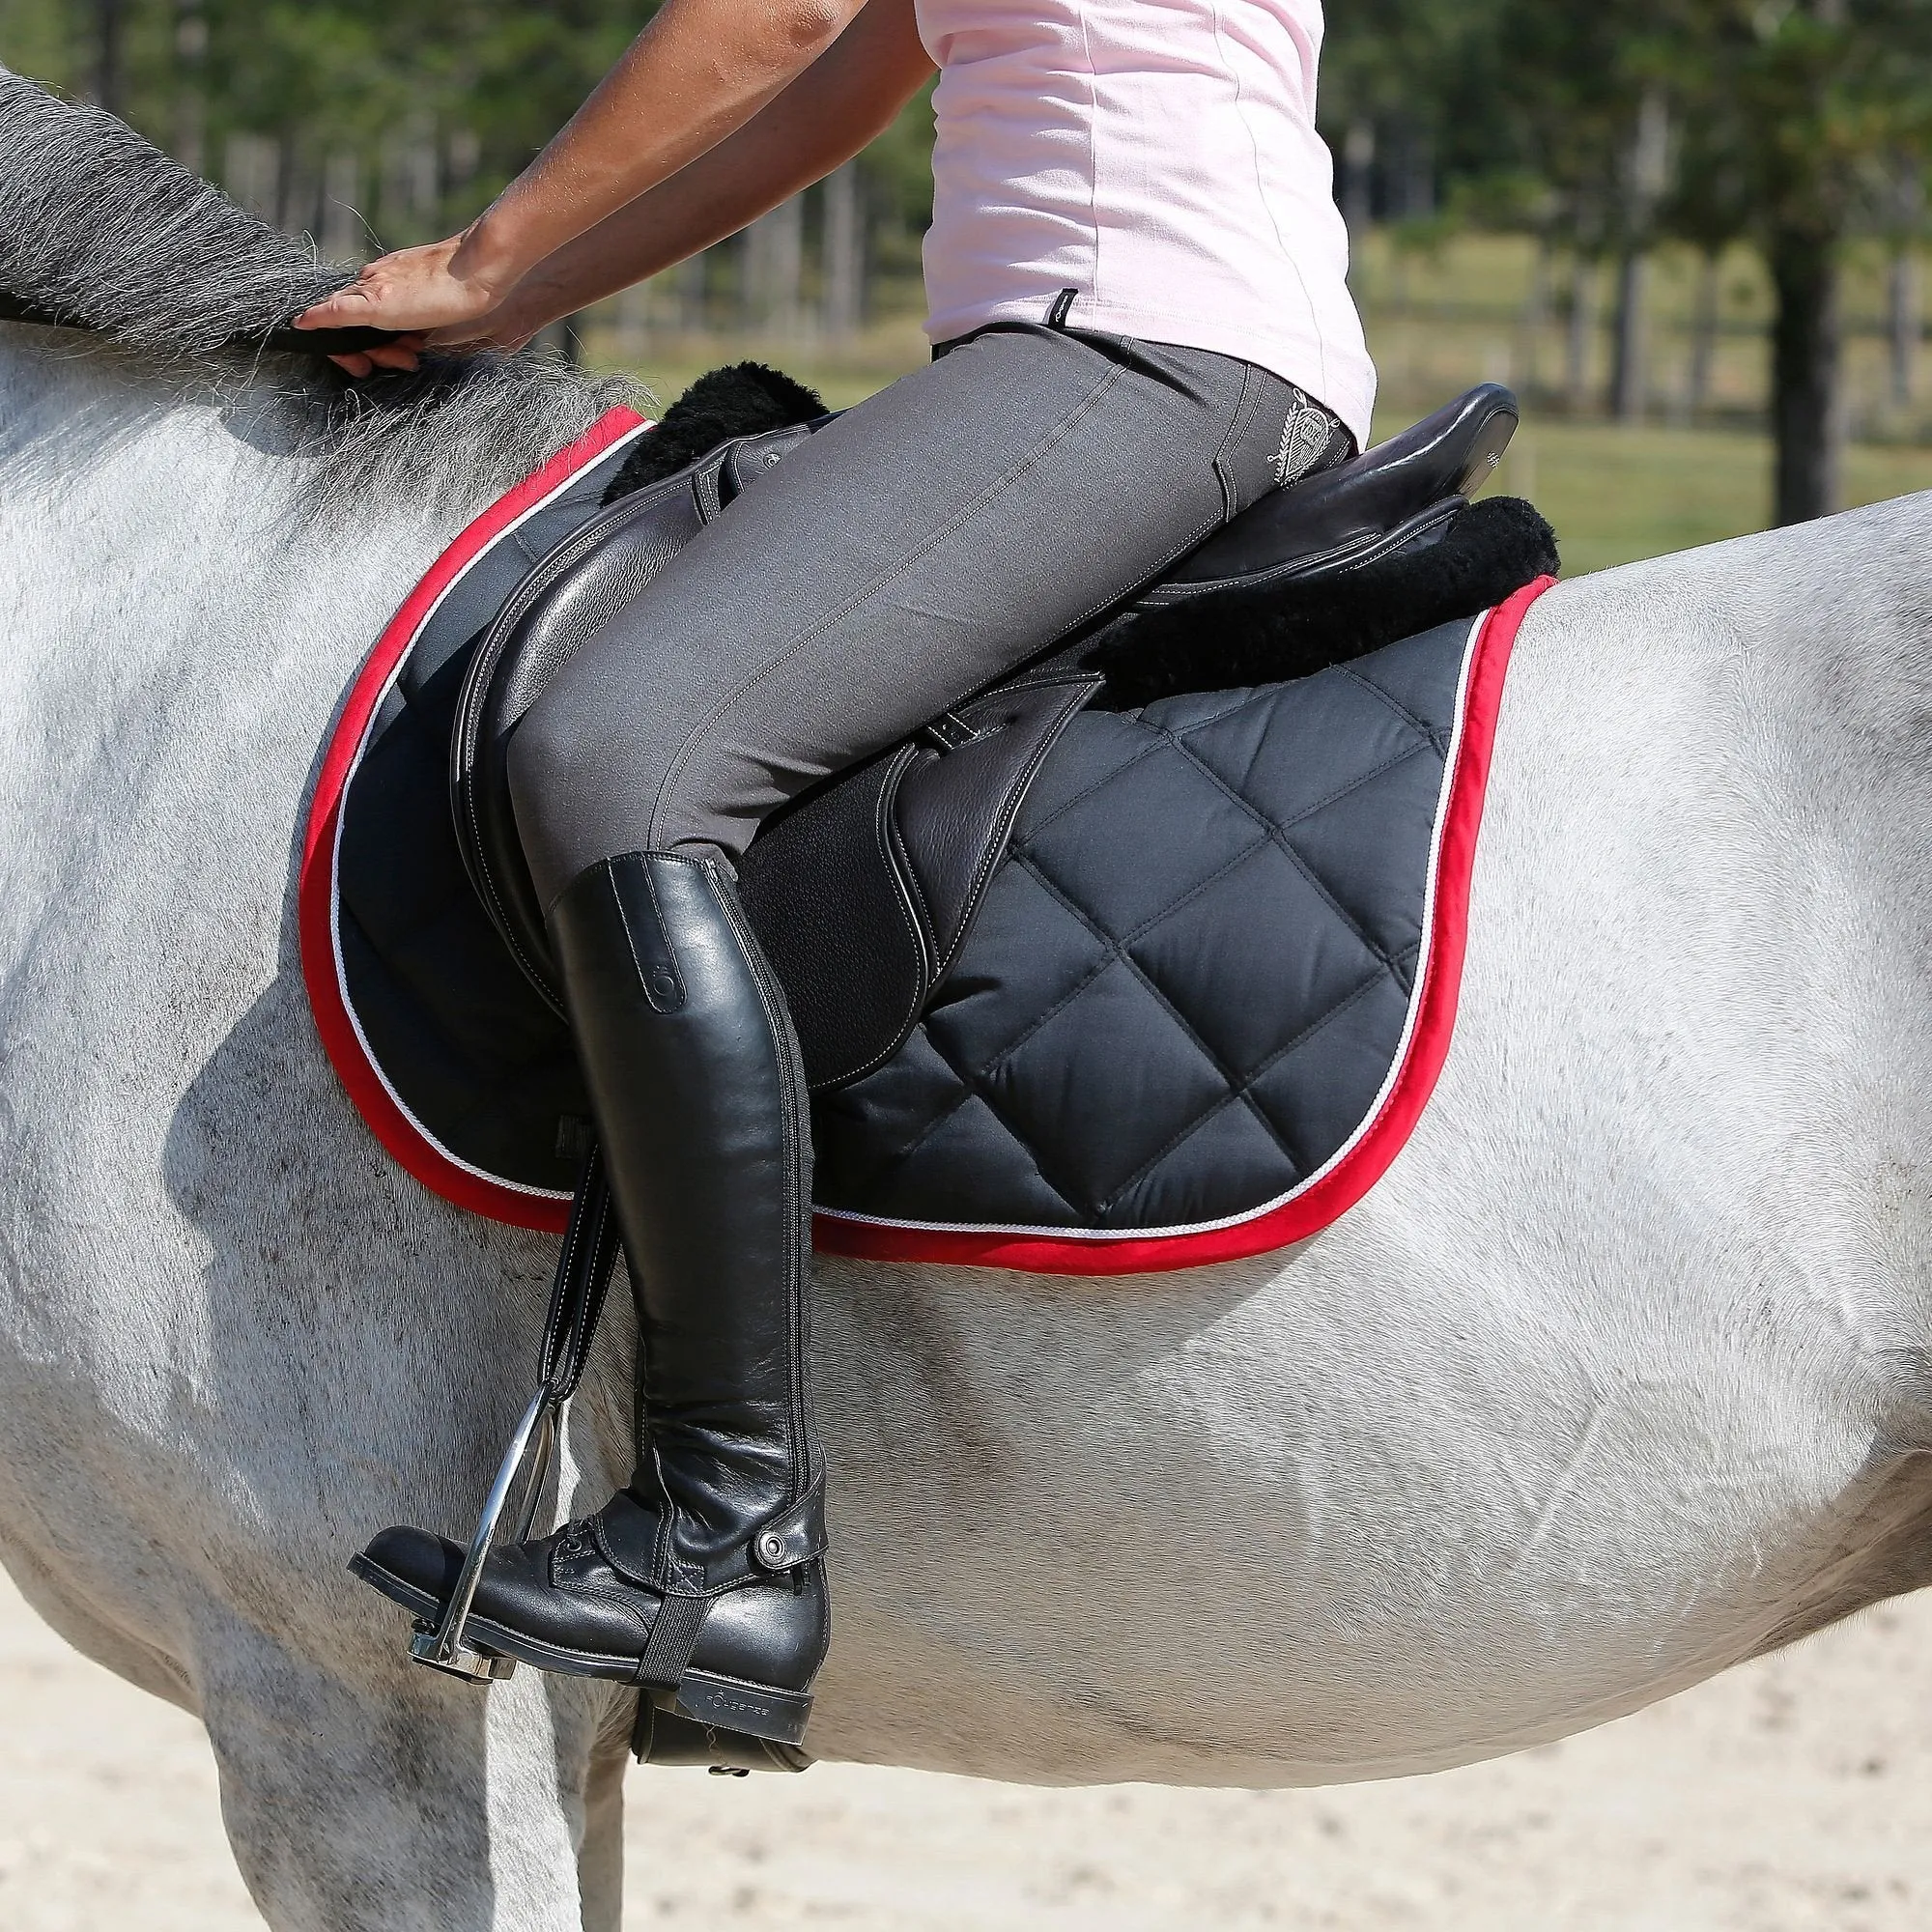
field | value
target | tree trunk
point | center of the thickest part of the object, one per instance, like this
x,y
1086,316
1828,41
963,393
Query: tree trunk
x,y
1629,374
109,18
751,278
1582,325
190,101
424,165
1358,185
563,338
774,260
1906,323
787,265
1807,415
411,194
252,172
632,330
1416,176
342,236
1704,315
296,211
1534,318
845,251
686,288
1646,175
464,156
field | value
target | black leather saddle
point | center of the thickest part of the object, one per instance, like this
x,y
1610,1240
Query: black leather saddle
x,y
862,889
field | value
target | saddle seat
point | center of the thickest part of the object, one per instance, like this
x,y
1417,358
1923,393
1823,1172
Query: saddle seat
x,y
862,891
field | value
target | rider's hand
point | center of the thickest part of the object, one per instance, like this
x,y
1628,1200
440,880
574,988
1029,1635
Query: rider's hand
x,y
416,290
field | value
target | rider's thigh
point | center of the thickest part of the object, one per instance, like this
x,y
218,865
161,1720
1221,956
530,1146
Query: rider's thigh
x,y
908,554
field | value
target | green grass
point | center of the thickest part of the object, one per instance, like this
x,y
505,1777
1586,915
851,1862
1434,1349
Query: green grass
x,y
842,376
1613,493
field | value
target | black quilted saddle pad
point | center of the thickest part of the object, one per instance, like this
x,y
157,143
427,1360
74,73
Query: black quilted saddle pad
x,y
1192,973
1206,997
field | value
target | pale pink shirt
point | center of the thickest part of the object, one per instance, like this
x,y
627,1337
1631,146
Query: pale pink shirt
x,y
1158,155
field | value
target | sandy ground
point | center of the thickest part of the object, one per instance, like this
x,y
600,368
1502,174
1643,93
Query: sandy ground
x,y
1792,1794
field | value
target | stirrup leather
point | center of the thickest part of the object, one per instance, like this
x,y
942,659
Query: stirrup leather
x,y
583,1270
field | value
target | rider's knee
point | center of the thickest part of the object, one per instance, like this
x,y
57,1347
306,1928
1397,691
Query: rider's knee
x,y
587,785
710,807
560,766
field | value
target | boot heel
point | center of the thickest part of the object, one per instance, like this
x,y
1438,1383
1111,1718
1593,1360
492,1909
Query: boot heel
x,y
758,1710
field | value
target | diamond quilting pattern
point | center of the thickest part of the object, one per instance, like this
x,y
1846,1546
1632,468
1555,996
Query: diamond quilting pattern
x,y
1190,977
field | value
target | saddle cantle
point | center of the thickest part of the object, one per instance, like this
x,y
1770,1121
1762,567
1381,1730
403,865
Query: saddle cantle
x,y
864,890
1404,491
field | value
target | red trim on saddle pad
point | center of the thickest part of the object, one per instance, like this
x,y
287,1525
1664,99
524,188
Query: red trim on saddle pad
x,y
1275,1223
399,1131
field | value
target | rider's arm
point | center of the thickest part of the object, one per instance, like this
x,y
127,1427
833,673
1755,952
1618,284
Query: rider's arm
x,y
698,74
846,98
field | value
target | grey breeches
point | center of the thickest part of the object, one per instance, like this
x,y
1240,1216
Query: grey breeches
x,y
912,552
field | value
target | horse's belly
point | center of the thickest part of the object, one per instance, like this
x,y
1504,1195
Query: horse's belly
x,y
1307,1523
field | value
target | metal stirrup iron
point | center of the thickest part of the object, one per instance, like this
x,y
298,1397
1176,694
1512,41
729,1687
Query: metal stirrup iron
x,y
583,1270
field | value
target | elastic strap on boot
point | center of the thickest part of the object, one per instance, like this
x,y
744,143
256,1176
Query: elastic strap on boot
x,y
673,1637
584,1266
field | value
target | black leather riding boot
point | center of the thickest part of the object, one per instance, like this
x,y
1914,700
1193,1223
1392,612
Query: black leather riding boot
x,y
704,1580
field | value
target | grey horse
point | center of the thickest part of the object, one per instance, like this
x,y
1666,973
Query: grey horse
x,y
1618,1377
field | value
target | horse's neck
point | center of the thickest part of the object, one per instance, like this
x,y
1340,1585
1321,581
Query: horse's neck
x,y
179,630
165,563
169,514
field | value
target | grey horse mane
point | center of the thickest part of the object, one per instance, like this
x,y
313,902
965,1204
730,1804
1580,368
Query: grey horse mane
x,y
99,225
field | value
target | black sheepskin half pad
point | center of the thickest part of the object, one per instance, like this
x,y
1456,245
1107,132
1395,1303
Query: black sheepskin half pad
x,y
1271,634
746,399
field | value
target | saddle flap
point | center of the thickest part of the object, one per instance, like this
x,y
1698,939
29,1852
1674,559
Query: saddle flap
x,y
582,583
862,891
955,807
573,591
827,898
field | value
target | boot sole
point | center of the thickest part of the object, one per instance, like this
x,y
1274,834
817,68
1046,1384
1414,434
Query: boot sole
x,y
726,1703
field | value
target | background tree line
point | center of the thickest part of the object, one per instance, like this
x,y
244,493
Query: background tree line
x,y
1601,129
1604,128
